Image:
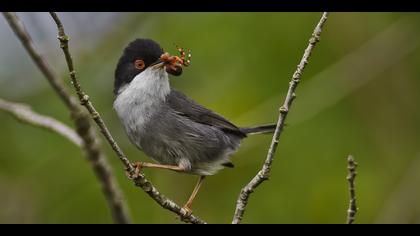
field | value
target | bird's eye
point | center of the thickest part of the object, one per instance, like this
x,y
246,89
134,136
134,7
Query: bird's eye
x,y
139,64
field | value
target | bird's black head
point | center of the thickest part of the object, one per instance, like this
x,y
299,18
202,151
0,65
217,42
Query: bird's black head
x,y
137,56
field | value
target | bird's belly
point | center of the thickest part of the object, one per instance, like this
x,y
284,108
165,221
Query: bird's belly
x,y
172,148
199,155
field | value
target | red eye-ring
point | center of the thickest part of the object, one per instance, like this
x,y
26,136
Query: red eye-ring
x,y
139,64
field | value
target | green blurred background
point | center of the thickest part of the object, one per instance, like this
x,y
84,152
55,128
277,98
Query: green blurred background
x,y
359,95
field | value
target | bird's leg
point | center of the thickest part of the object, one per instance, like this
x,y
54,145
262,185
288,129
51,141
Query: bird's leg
x,y
187,206
140,165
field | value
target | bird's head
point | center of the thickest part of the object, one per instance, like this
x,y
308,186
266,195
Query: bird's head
x,y
145,54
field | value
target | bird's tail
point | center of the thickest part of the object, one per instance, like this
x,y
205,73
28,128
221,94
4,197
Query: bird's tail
x,y
262,129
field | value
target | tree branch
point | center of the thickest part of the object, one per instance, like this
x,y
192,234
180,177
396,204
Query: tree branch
x,y
91,146
139,180
263,174
24,113
351,212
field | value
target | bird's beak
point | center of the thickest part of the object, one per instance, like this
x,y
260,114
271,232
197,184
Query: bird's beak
x,y
158,64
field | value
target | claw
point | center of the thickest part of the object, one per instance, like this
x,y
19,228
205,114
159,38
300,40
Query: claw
x,y
138,166
188,212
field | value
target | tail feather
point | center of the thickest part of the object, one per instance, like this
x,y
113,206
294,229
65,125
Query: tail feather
x,y
262,129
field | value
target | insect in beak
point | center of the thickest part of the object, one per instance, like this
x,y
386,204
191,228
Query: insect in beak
x,y
174,63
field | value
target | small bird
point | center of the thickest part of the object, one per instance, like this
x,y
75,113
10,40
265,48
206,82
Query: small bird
x,y
172,129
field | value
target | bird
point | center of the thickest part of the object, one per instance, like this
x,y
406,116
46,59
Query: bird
x,y
176,132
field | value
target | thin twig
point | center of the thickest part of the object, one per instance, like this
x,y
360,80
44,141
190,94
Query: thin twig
x,y
96,157
24,113
139,179
263,174
351,212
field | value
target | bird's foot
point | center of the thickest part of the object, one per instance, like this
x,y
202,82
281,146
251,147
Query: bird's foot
x,y
137,168
188,211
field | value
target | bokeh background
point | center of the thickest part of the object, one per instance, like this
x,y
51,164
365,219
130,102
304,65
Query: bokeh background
x,y
359,95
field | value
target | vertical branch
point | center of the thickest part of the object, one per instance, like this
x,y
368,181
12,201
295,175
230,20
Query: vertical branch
x,y
94,154
83,97
139,179
351,212
263,174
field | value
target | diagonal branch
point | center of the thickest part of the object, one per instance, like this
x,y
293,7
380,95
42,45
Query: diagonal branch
x,y
139,180
263,174
351,212
24,113
90,145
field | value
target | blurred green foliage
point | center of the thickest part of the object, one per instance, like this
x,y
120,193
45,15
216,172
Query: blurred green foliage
x,y
241,65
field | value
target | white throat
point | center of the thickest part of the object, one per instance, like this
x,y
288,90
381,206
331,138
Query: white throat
x,y
152,82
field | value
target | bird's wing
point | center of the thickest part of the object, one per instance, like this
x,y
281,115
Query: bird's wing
x,y
185,106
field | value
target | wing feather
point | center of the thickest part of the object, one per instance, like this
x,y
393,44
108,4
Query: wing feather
x,y
185,106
